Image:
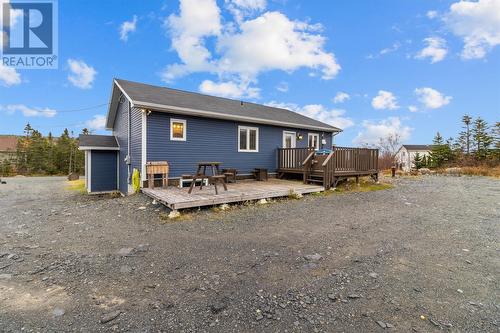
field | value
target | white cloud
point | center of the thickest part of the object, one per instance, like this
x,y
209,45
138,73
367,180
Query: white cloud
x,y
127,27
432,14
334,117
82,75
242,8
373,131
393,48
273,42
283,86
436,49
29,111
188,39
385,100
477,23
412,108
228,89
431,98
341,97
9,76
98,122
268,42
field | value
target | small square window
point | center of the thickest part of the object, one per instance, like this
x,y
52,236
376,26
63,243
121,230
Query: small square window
x,y
177,129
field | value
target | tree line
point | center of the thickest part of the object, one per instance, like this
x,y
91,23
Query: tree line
x,y
477,144
44,155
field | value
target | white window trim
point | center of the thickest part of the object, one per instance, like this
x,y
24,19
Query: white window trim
x,y
284,136
248,128
174,120
89,188
309,135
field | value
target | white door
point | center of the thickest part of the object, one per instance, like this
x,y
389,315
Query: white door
x,y
289,139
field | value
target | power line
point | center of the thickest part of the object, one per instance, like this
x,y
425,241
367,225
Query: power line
x,y
82,109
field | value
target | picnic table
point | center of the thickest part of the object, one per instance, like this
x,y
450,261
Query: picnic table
x,y
213,179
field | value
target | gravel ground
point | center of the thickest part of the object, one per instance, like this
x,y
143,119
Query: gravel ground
x,y
423,257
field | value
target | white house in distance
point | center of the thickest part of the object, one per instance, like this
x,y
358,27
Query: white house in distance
x,y
406,155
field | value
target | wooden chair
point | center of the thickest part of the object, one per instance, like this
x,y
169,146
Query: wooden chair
x,y
261,174
230,175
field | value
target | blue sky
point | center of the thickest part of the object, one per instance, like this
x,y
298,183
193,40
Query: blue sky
x,y
370,67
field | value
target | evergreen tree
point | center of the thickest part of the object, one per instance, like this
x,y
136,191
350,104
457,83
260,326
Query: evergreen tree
x,y
37,154
482,139
418,161
465,136
441,152
495,134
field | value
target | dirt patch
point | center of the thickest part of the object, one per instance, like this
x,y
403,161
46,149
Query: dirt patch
x,y
421,256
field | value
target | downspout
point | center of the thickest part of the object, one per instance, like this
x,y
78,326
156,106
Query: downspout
x,y
333,137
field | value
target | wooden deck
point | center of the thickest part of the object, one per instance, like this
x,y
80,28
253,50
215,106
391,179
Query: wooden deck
x,y
340,163
178,198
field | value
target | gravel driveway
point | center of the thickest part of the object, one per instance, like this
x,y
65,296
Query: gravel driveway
x,y
423,257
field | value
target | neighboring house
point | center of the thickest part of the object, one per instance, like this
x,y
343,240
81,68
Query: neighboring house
x,y
8,147
405,156
151,123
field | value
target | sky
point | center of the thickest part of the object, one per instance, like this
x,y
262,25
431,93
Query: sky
x,y
372,68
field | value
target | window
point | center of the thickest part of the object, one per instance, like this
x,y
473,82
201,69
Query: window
x,y
248,139
313,140
177,129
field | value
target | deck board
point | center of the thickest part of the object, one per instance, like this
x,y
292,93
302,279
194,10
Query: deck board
x,y
177,198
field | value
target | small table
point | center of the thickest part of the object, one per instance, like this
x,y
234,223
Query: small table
x,y
203,175
213,165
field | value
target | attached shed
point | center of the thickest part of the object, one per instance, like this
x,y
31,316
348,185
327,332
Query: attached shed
x,y
101,162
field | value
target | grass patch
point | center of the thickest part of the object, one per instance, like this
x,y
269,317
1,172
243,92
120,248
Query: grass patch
x,y
76,185
482,171
365,185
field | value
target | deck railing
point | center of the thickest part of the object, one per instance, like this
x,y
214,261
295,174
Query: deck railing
x,y
347,159
292,158
342,161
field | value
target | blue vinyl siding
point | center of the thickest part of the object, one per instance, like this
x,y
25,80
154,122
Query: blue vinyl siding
x,y
135,138
120,130
104,171
215,140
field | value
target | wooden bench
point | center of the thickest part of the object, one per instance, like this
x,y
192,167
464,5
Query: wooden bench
x,y
213,180
193,179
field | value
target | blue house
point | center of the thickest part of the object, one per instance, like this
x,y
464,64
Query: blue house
x,y
151,123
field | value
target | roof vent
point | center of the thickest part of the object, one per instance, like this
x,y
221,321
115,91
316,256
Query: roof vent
x,y
241,102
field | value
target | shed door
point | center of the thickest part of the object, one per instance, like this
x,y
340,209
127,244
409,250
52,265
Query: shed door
x,y
104,170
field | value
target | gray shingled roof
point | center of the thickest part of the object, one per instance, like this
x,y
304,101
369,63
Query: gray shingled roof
x,y
98,141
178,101
418,147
